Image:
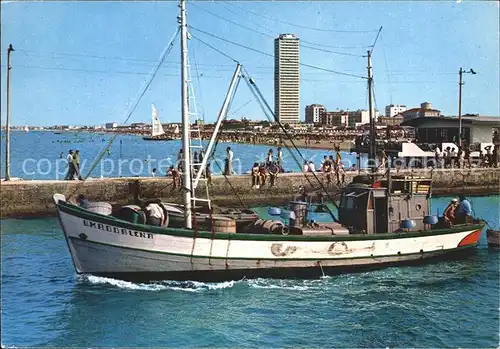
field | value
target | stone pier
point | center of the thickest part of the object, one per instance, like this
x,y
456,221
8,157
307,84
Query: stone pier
x,y
33,198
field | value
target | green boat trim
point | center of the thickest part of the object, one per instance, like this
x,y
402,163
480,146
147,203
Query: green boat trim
x,y
180,232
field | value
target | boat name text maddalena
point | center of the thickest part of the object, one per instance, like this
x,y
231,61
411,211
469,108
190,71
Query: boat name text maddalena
x,y
116,230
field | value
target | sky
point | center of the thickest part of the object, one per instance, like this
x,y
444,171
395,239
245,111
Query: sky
x,y
84,63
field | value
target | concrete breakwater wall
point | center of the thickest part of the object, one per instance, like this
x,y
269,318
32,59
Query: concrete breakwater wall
x,y
34,198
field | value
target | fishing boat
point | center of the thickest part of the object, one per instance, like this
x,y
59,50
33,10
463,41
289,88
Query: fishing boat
x,y
493,237
381,222
157,131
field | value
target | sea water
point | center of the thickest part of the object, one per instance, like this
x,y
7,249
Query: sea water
x,y
452,303
42,155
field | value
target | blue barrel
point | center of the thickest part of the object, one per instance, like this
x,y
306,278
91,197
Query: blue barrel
x,y
408,224
274,211
430,220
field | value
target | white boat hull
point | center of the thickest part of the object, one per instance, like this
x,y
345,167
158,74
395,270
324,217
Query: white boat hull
x,y
106,246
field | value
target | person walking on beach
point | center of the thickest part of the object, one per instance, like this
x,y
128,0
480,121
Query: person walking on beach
x,y
71,169
76,164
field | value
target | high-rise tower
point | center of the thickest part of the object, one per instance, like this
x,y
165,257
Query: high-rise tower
x,y
286,79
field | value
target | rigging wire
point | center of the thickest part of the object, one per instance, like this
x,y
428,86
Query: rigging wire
x,y
389,87
271,55
307,42
239,108
141,93
375,41
274,36
298,25
251,84
215,49
199,85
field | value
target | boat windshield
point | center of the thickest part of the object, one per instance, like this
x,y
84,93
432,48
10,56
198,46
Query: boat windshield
x,y
354,200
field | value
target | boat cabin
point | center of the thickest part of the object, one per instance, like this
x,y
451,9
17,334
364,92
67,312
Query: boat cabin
x,y
387,206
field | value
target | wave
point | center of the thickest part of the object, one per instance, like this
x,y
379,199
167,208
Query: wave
x,y
186,286
297,285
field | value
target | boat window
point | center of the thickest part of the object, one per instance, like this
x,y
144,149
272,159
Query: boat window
x,y
354,200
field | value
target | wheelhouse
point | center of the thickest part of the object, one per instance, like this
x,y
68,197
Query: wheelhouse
x,y
383,206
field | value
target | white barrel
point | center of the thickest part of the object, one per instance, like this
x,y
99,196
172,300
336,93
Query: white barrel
x,y
224,225
103,208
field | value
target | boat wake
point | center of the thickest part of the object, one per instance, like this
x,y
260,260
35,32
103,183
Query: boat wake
x,y
186,286
197,286
297,285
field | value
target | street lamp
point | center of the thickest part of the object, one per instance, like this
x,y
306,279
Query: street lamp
x,y
7,124
460,73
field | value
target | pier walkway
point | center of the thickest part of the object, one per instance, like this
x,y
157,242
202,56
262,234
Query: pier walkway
x,y
33,198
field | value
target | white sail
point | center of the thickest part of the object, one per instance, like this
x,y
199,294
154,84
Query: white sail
x,y
26,128
156,127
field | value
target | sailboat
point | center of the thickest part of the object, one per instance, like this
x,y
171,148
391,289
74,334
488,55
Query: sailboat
x,y
26,128
380,223
157,131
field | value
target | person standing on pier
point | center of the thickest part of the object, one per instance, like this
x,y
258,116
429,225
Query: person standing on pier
x,y
453,158
305,166
467,157
179,160
228,168
76,164
438,157
279,156
71,169
269,159
273,173
195,160
255,176
495,156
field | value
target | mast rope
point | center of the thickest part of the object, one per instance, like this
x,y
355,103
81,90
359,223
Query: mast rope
x,y
140,94
242,203
253,86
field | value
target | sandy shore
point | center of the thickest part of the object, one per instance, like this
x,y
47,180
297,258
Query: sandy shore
x,y
300,143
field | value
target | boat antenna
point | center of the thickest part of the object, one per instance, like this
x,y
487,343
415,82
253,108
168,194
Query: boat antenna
x,y
185,119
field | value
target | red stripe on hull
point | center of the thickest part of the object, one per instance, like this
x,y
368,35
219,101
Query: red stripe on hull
x,y
470,239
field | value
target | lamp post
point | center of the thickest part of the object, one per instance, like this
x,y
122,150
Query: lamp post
x,y
7,124
460,73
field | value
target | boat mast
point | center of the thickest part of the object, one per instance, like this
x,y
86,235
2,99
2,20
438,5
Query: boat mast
x,y
372,149
186,167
